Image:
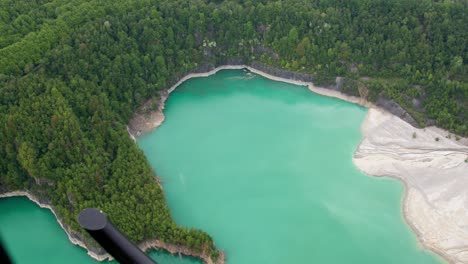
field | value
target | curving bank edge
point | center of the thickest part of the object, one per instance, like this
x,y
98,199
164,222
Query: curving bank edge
x,y
431,163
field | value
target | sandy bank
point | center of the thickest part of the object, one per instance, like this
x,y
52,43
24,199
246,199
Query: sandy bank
x,y
436,176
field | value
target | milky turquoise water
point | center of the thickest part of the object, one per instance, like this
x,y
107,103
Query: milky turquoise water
x,y
32,235
265,168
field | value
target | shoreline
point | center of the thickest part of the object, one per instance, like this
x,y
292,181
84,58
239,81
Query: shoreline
x,y
412,220
74,241
141,124
367,128
432,167
145,246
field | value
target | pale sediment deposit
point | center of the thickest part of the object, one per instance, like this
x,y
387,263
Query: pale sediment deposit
x,y
434,168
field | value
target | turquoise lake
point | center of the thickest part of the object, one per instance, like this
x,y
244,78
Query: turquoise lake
x,y
264,167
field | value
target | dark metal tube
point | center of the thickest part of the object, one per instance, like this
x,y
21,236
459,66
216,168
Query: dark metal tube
x,y
3,255
110,238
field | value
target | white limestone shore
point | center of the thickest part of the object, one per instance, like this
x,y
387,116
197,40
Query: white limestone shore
x,y
435,173
433,168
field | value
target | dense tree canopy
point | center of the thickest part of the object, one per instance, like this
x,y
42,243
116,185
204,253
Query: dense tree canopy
x,y
73,72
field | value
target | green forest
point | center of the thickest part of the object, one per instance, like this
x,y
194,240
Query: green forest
x,y
72,73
